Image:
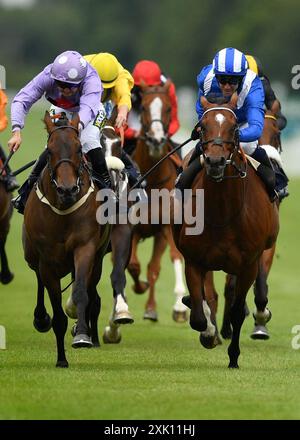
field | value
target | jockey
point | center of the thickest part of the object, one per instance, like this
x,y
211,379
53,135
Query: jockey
x,y
228,74
270,98
72,86
10,181
147,73
117,83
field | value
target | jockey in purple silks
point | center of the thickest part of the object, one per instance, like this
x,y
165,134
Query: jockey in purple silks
x,y
72,86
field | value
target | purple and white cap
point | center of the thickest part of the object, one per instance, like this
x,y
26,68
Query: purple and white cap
x,y
69,67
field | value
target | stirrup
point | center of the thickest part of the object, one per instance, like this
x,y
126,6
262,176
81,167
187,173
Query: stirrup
x,y
18,204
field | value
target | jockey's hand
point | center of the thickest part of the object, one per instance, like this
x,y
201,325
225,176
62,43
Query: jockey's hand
x,y
195,135
122,116
15,141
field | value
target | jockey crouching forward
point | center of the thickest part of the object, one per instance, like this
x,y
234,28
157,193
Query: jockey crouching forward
x,y
72,86
117,83
229,74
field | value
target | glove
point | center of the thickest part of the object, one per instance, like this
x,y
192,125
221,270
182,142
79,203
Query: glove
x,y
195,135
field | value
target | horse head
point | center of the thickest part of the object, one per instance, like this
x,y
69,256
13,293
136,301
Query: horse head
x,y
271,132
156,117
109,138
219,136
65,163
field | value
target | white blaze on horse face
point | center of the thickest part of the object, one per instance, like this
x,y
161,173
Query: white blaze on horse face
x,y
156,126
211,329
109,146
220,118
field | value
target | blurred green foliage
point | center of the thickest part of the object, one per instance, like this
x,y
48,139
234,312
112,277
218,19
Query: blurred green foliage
x,y
182,36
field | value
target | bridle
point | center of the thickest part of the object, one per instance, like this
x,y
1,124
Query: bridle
x,y
242,172
78,169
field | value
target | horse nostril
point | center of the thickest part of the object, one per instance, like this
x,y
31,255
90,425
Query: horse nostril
x,y
74,189
60,190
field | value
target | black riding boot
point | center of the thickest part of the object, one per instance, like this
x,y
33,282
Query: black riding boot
x,y
10,181
185,179
99,166
132,170
266,172
19,202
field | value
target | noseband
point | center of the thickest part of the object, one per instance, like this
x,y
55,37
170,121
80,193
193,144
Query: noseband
x,y
220,141
78,170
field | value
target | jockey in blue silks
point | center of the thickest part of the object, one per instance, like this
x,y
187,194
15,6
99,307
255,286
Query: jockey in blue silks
x,y
229,74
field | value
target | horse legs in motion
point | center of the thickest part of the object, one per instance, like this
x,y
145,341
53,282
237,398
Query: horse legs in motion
x,y
6,275
121,248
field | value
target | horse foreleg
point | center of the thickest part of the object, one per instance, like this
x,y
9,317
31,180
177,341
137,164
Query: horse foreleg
x,y
59,320
84,258
6,275
237,313
262,314
153,270
179,309
42,321
134,268
121,247
226,330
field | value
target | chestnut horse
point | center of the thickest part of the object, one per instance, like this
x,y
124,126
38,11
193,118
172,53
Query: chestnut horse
x,y
61,235
240,222
6,275
270,140
152,145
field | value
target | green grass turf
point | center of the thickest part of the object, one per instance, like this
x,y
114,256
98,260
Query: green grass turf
x,y
159,370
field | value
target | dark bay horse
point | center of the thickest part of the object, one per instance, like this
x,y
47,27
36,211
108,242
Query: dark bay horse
x,y
152,145
270,141
6,275
239,221
61,235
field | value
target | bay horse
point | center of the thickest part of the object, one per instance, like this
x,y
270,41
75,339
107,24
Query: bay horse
x,y
240,222
61,235
270,141
6,209
152,145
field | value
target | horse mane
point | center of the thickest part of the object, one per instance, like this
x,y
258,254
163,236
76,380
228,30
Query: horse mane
x,y
62,120
216,98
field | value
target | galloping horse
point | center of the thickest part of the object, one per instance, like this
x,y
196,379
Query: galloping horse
x,y
152,145
240,222
6,275
61,235
270,140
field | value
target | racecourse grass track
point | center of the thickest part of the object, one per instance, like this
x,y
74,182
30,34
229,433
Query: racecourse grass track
x,y
159,370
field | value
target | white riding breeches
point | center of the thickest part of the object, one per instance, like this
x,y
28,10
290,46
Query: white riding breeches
x,y
248,147
89,136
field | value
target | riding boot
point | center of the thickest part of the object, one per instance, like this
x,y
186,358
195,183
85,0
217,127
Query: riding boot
x,y
99,166
10,181
132,170
266,172
19,202
185,179
281,183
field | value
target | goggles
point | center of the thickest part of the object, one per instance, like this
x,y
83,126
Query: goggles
x,y
227,79
66,85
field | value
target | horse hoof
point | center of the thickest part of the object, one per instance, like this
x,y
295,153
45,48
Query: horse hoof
x,y
226,332
82,341
6,278
62,364
111,337
96,344
233,365
179,317
42,325
140,287
208,341
186,300
123,318
71,309
73,329
151,315
261,318
260,332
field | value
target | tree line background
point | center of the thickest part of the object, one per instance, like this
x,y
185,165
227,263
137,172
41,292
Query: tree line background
x,y
182,36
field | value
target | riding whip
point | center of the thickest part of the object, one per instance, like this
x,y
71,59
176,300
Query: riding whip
x,y
159,162
23,168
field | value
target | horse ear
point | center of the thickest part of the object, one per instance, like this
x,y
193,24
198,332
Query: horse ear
x,y
275,109
167,84
48,121
75,121
205,104
233,101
